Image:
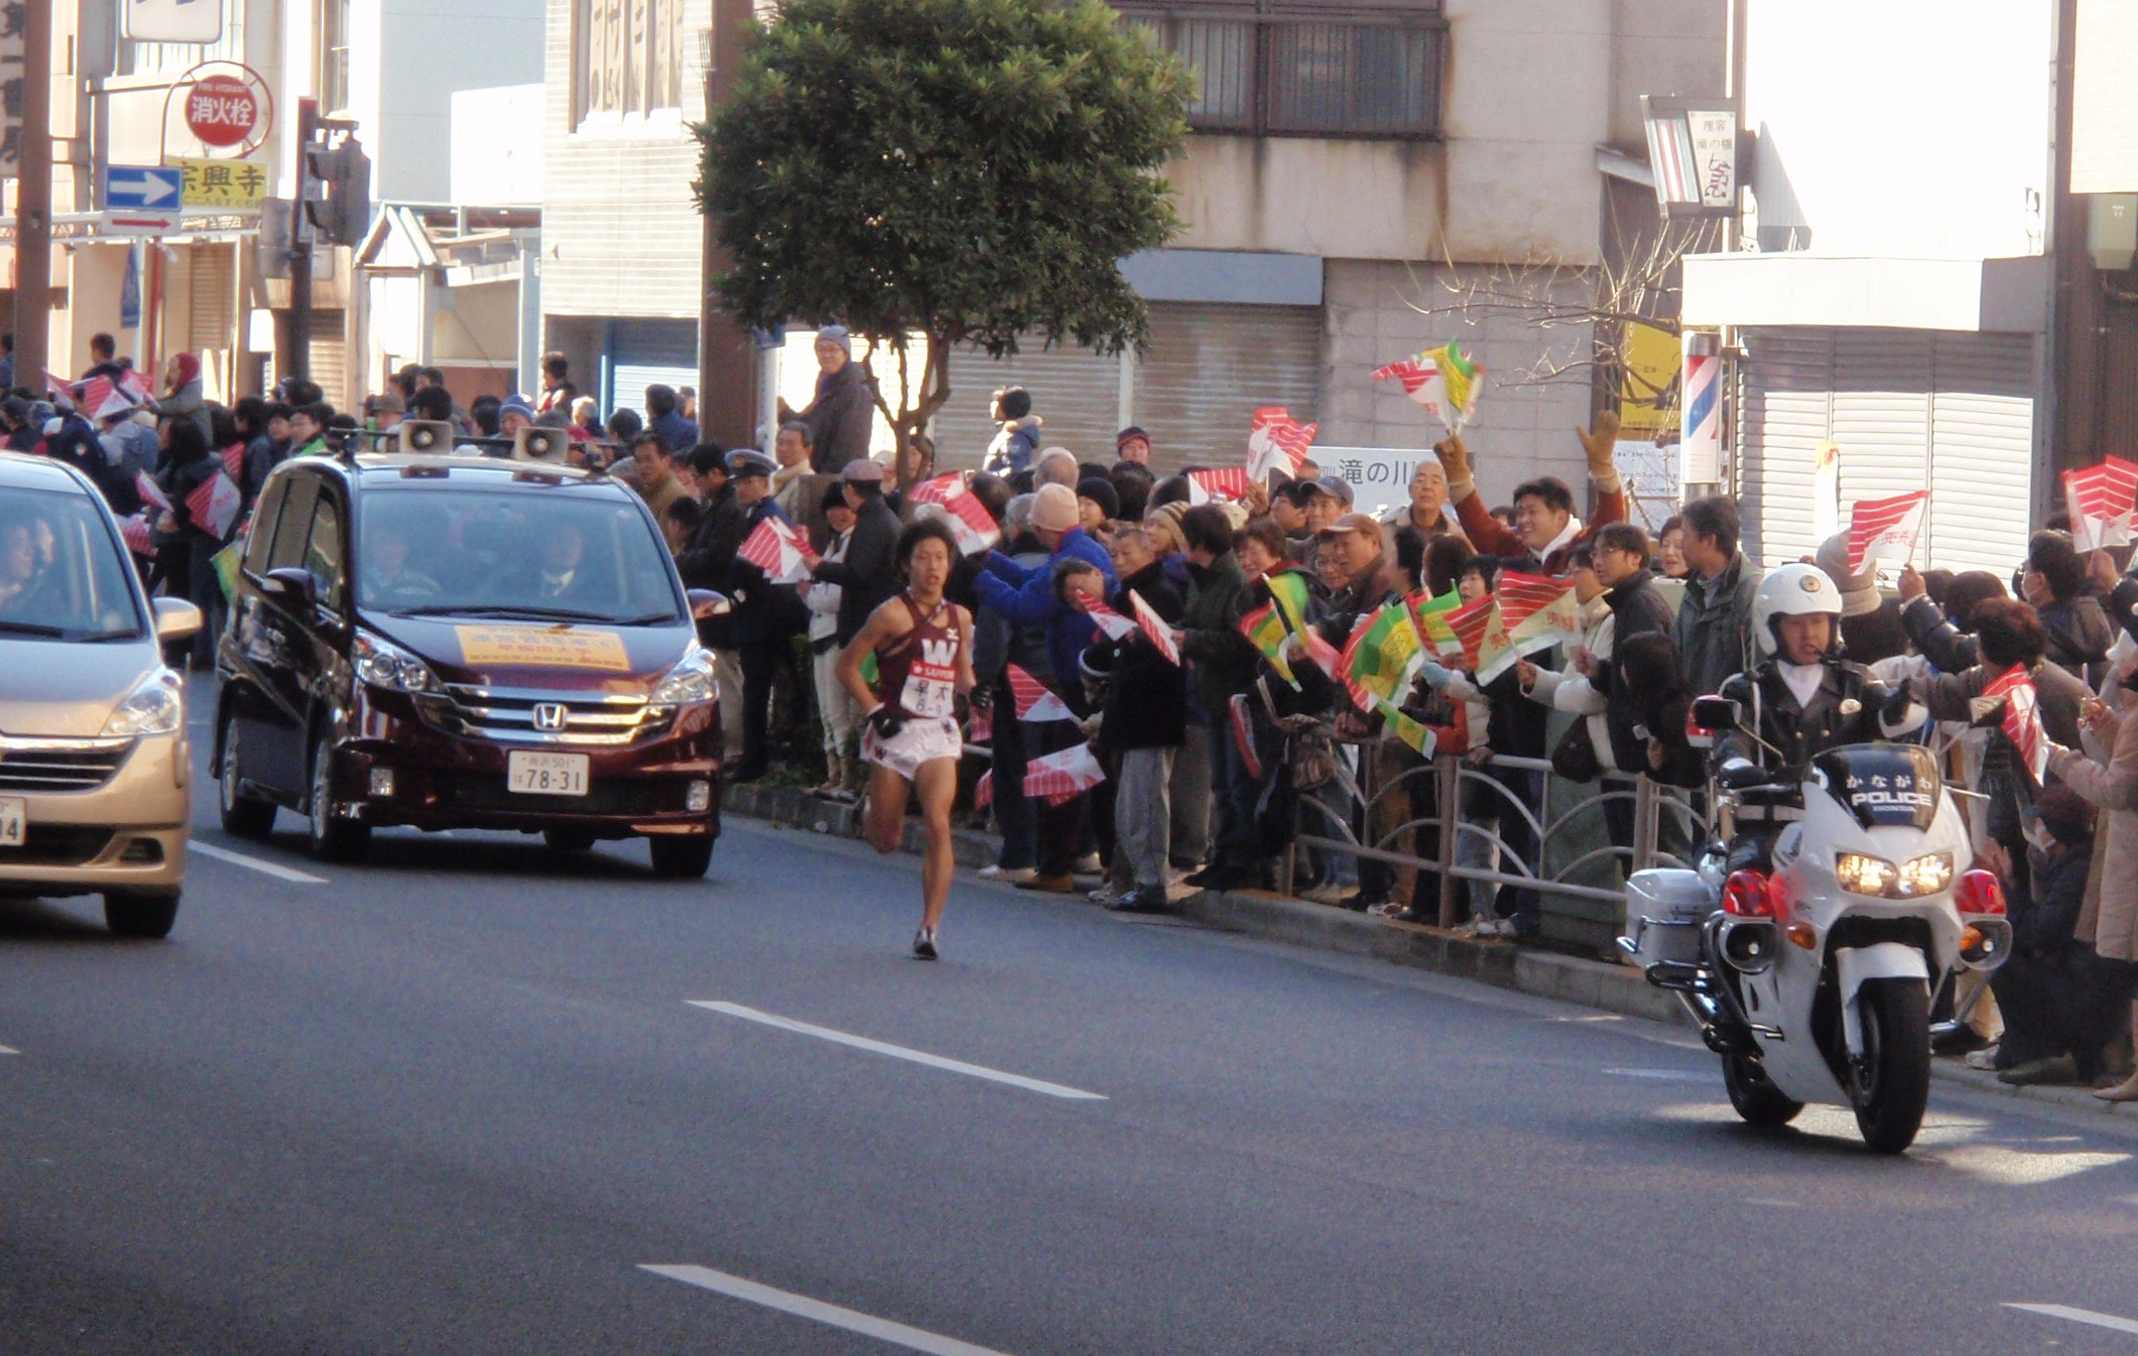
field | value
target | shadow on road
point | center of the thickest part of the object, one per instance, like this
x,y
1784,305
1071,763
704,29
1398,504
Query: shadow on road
x,y
491,854
49,921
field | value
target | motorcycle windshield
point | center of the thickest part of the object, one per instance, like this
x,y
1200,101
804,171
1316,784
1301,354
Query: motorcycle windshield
x,y
1883,785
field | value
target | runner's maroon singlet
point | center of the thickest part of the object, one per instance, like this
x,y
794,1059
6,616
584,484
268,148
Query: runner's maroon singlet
x,y
917,674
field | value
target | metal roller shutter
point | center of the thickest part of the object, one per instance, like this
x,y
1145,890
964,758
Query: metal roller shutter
x,y
1211,365
329,356
1075,392
1788,384
646,353
208,317
1982,429
1881,413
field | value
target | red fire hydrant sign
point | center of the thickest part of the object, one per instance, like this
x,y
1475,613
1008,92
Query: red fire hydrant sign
x,y
222,111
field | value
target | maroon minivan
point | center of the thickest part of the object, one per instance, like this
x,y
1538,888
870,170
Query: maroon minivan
x,y
466,642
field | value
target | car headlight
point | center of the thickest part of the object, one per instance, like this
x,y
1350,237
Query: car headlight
x,y
1928,874
380,663
156,707
1861,875
691,680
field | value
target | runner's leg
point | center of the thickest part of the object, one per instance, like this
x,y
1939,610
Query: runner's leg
x,y
937,783
886,817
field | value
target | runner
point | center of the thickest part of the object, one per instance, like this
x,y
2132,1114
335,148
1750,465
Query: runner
x,y
923,649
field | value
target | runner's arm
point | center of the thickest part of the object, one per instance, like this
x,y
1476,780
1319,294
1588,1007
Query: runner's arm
x,y
877,629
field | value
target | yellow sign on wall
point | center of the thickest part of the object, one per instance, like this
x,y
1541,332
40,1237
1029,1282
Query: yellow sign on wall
x,y
1648,396
222,185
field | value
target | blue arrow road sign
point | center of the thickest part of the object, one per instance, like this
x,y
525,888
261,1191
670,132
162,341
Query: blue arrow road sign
x,y
135,187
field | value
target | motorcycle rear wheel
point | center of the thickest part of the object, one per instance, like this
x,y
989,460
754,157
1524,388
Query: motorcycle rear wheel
x,y
1757,1100
1891,1084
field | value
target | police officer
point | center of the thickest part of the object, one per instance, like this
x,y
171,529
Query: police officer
x,y
767,615
1803,698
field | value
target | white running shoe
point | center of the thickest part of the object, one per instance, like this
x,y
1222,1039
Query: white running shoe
x,y
924,944
1008,873
1088,863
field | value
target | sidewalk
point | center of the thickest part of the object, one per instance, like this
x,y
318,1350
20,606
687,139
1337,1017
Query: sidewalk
x,y
1259,913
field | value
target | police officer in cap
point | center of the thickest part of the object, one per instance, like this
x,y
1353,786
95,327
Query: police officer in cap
x,y
767,615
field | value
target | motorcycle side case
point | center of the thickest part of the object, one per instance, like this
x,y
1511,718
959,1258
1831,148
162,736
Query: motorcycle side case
x,y
1664,910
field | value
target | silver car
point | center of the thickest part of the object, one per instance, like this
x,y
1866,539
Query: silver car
x,y
94,765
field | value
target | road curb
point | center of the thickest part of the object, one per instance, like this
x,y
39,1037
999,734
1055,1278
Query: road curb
x,y
1322,927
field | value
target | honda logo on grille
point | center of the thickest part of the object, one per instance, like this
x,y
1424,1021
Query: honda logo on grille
x,y
549,716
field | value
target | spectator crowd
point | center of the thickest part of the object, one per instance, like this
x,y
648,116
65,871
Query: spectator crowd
x,y
1185,636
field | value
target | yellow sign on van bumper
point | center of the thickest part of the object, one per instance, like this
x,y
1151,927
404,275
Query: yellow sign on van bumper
x,y
541,647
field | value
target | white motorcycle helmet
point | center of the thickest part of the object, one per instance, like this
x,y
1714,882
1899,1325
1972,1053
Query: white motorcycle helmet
x,y
1793,591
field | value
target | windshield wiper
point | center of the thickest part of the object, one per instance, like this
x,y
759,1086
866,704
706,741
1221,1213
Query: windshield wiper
x,y
540,613
17,628
93,637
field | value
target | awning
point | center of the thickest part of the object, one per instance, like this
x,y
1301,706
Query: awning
x,y
2000,296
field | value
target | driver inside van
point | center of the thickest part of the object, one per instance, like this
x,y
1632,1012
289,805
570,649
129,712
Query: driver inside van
x,y
389,579
18,566
1803,698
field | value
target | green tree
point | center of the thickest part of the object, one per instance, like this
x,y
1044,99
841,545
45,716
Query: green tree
x,y
967,170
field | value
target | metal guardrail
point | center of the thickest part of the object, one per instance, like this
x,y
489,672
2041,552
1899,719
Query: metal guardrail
x,y
1450,775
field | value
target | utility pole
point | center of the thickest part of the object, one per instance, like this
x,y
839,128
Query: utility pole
x,y
33,203
297,321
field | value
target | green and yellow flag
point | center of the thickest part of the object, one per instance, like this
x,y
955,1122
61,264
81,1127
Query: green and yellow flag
x,y
1265,630
1407,729
1430,616
1380,657
1289,589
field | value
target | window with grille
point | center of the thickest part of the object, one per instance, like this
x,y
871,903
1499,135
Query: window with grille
x,y
1305,68
334,55
627,57
143,58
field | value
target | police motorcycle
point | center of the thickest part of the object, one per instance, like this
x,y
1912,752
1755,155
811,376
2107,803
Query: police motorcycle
x,y
1809,967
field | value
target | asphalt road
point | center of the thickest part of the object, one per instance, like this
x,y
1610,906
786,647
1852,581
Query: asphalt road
x,y
462,1099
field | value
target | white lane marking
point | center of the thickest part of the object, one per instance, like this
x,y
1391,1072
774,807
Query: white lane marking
x,y
2064,1311
825,1033
4,1050
832,1315
1663,1075
279,872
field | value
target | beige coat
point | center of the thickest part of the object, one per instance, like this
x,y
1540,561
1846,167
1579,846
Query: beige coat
x,y
2114,788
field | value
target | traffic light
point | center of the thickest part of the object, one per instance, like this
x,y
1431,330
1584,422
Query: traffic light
x,y
338,191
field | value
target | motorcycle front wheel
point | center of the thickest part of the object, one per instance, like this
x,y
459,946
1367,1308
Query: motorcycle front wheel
x,y
1756,1098
1892,1080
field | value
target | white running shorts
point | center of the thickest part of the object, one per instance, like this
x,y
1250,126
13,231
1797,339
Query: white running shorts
x,y
917,742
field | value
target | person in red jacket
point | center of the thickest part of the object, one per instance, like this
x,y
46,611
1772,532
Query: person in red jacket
x,y
1545,524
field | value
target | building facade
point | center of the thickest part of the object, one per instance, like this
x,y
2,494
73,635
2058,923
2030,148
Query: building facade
x,y
1922,300
1348,162
390,67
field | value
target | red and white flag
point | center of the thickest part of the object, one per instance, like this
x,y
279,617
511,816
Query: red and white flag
x,y
983,791
1110,622
1155,627
1032,699
151,493
1277,442
1232,482
1071,772
131,385
1243,736
779,548
101,400
2022,717
215,504
56,388
960,508
1885,529
234,460
2101,500
135,532
1538,610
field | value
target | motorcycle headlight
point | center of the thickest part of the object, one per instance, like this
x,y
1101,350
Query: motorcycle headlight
x,y
1928,874
156,707
381,663
1862,875
691,680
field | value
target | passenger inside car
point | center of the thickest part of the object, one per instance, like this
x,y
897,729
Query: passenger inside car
x,y
389,579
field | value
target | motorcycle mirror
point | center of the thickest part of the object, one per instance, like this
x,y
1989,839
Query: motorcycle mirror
x,y
1716,713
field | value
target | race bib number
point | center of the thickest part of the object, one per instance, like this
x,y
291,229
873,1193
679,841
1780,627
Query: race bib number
x,y
932,682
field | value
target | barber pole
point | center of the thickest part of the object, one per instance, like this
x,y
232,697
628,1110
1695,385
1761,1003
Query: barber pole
x,y
1700,428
